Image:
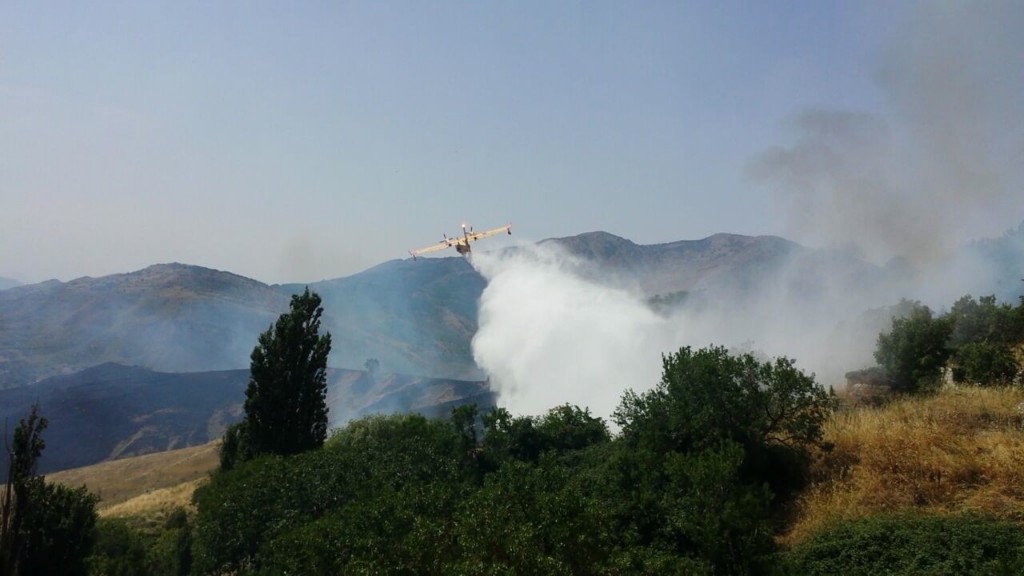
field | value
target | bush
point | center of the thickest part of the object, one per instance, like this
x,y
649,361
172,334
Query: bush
x,y
911,544
119,550
381,483
985,363
914,352
709,397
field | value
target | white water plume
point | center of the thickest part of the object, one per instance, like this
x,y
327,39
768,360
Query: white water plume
x,y
554,331
548,337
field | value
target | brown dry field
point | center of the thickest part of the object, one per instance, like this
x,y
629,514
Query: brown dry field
x,y
959,451
145,486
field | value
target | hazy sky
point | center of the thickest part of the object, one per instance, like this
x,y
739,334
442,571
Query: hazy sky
x,y
307,140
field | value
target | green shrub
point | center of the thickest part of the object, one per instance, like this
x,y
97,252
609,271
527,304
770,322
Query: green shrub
x,y
119,550
985,363
915,350
911,544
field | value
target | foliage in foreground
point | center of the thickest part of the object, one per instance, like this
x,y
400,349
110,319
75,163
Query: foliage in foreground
x,y
122,550
690,486
911,544
45,528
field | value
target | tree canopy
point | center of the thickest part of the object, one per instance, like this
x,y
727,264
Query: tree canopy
x,y
689,486
914,351
978,341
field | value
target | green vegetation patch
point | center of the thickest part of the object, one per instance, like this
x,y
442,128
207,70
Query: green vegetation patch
x,y
911,544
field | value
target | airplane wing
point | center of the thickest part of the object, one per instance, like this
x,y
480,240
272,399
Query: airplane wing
x,y
442,245
473,236
462,240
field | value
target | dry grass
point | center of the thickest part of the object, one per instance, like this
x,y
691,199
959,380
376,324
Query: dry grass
x,y
148,512
958,451
141,480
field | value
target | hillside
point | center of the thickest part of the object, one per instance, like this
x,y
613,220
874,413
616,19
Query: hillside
x,y
117,482
112,411
959,451
713,262
167,317
414,318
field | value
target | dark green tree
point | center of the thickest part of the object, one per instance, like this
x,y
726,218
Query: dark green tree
x,y
709,396
709,506
377,498
285,402
915,350
464,421
531,519
170,553
984,320
60,530
706,457
23,454
983,337
911,543
119,550
44,528
234,446
985,363
508,437
372,365
569,427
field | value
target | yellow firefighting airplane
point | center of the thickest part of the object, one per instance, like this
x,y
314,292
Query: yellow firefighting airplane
x,y
461,243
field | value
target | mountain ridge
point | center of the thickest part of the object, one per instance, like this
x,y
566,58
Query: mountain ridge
x,y
415,317
111,410
412,316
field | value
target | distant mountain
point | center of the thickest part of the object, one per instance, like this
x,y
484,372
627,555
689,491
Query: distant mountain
x,y
414,317
6,283
168,317
713,262
112,411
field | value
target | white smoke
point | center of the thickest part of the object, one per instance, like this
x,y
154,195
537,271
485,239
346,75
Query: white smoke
x,y
939,163
551,331
547,336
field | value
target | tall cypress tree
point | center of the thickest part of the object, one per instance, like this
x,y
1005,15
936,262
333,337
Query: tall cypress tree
x,y
285,402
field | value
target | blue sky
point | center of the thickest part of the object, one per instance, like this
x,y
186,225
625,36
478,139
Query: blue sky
x,y
294,142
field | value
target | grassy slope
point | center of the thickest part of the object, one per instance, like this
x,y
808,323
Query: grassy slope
x,y
145,488
961,450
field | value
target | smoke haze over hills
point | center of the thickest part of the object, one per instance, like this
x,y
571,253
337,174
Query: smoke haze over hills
x,y
555,329
940,164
